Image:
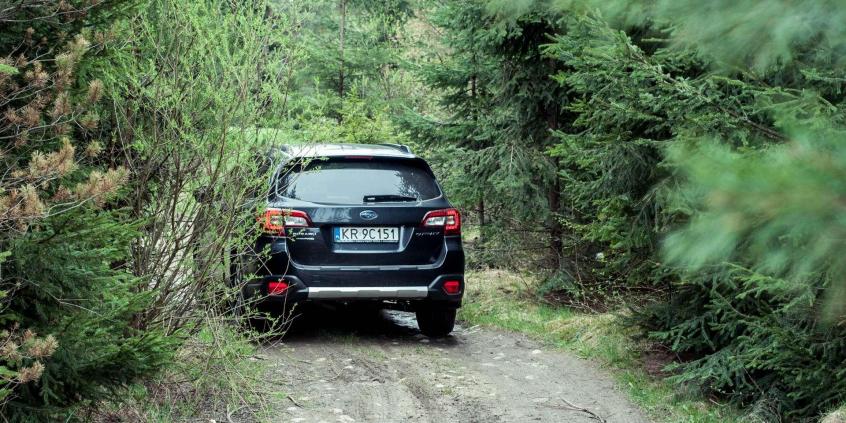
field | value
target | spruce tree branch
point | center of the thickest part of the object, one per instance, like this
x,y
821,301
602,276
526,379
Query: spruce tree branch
x,y
675,84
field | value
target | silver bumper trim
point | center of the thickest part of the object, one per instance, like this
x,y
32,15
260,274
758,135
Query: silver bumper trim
x,y
368,292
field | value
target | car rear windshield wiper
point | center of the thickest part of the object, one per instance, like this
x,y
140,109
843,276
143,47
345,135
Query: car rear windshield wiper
x,y
387,198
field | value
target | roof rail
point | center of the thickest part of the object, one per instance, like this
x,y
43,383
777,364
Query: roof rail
x,y
400,147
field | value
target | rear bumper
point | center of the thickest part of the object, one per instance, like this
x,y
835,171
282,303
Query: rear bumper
x,y
298,292
363,292
363,283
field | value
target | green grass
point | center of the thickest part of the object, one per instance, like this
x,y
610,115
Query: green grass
x,y
373,353
215,370
598,337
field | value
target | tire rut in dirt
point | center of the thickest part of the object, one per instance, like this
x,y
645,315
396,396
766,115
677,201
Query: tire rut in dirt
x,y
350,367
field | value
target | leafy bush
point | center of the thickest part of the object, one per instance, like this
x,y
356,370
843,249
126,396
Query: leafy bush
x,y
190,87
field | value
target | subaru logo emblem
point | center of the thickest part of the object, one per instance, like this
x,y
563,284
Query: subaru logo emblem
x,y
368,215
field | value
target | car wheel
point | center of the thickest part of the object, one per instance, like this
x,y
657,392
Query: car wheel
x,y
243,309
436,321
247,316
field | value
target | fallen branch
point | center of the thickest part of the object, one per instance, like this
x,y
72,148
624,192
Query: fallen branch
x,y
572,407
294,401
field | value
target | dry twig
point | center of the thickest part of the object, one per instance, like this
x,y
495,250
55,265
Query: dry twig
x,y
294,401
572,407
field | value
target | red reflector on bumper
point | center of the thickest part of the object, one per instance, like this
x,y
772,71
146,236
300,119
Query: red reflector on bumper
x,y
452,287
277,288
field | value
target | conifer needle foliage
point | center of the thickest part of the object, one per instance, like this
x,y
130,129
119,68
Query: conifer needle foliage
x,y
697,165
67,301
682,157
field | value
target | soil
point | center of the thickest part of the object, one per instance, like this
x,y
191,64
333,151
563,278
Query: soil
x,y
375,366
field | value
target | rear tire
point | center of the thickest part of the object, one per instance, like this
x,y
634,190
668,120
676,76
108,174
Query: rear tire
x,y
436,321
244,309
249,318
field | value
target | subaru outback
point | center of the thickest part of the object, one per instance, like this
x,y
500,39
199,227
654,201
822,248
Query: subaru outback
x,y
356,223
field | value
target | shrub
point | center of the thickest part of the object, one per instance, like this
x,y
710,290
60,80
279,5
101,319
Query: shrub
x,y
70,287
188,89
753,253
68,303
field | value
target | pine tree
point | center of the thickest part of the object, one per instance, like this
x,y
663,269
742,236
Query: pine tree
x,y
697,150
500,128
351,53
735,141
67,304
462,80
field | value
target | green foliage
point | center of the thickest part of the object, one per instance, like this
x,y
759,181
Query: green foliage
x,y
758,207
755,339
197,92
713,125
729,34
757,34
8,70
351,50
68,283
356,120
761,298
756,258
69,333
493,128
370,31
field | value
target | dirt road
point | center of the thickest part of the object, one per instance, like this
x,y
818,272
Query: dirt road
x,y
341,366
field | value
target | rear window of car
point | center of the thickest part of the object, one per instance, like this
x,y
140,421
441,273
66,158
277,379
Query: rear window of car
x,y
349,181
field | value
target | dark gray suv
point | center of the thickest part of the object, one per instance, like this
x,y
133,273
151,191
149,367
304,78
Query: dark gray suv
x,y
357,223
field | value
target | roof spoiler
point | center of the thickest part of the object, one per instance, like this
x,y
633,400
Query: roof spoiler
x,y
400,147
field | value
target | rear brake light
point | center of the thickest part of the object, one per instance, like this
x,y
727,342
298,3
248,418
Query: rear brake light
x,y
452,287
276,220
449,219
277,287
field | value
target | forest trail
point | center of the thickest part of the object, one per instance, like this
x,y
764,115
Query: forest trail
x,y
343,366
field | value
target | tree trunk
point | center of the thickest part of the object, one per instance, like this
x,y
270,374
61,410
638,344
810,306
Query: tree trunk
x,y
481,209
481,205
342,6
556,231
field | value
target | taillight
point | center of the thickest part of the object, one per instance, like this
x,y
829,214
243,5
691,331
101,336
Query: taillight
x,y
276,220
449,219
277,287
452,287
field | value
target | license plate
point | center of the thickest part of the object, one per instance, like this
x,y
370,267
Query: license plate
x,y
366,234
